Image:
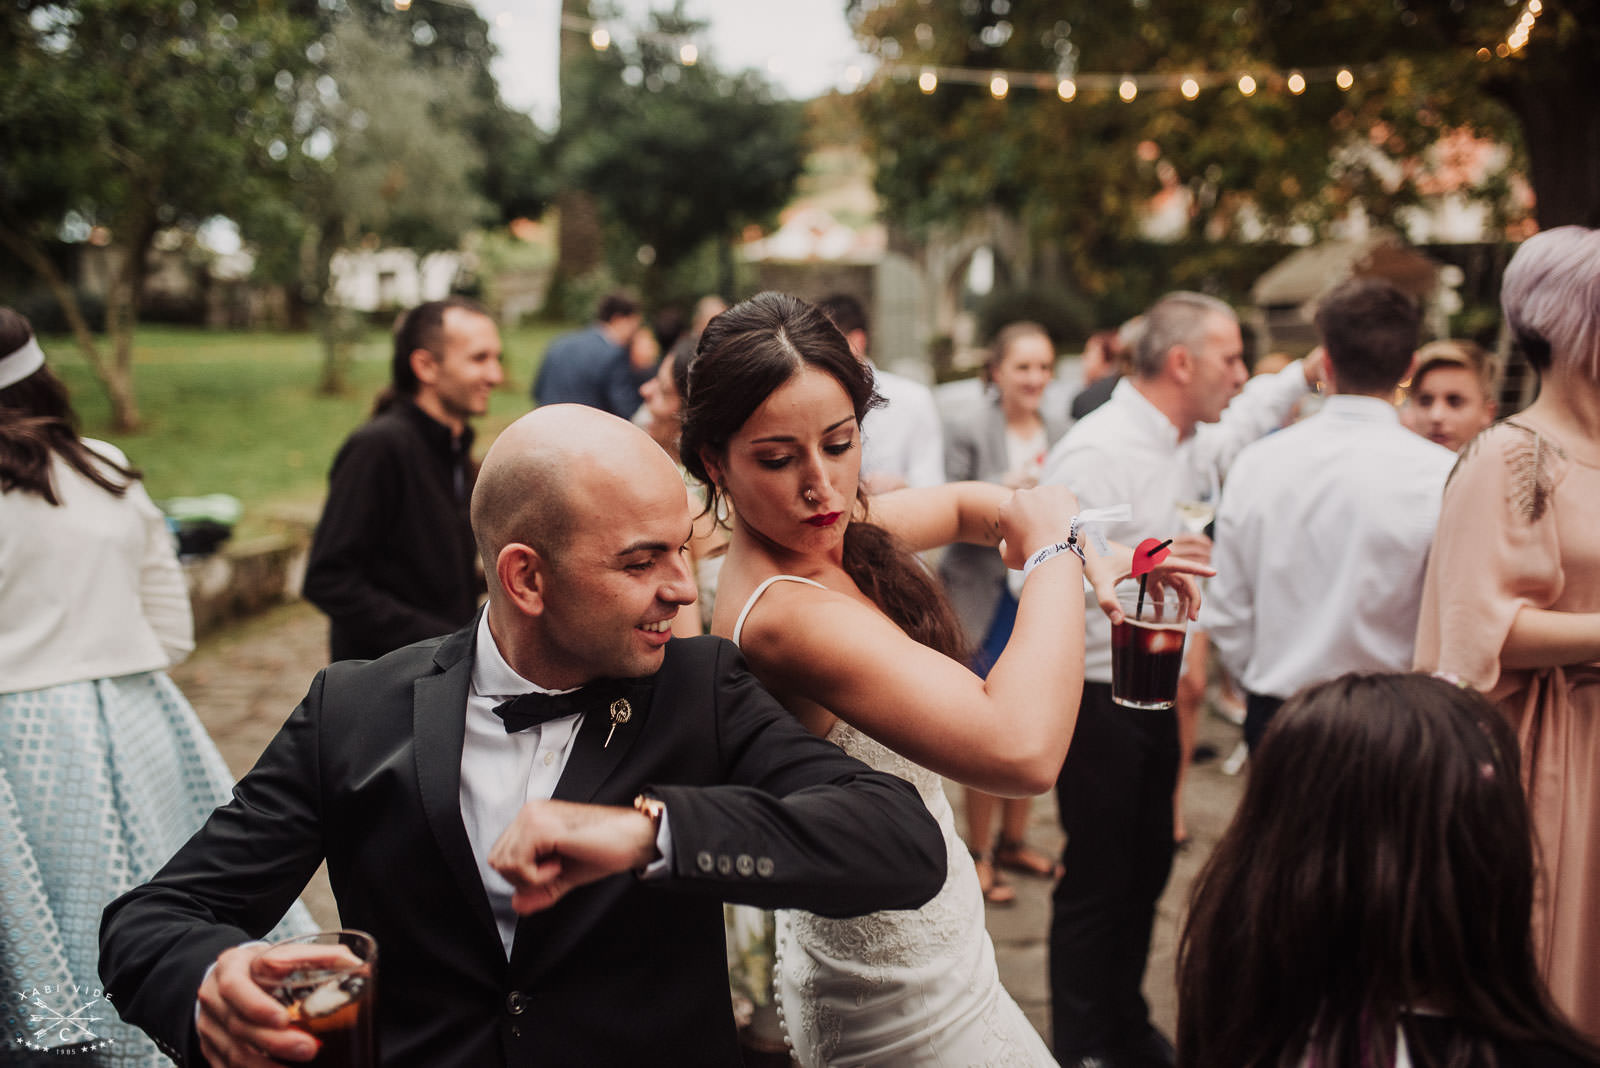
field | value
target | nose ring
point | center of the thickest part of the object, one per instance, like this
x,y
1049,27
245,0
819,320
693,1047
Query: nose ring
x,y
811,497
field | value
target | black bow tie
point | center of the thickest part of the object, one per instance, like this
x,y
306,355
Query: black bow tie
x,y
532,709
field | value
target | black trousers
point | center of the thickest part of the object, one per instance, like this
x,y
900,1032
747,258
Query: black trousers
x,y
1258,712
1115,802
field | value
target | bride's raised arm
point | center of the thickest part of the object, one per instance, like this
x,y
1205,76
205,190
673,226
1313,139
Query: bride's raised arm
x,y
1008,734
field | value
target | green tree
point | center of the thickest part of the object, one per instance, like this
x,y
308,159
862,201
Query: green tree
x,y
131,116
676,155
1078,173
384,150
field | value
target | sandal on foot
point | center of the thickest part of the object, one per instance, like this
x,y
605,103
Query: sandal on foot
x,y
996,891
1018,857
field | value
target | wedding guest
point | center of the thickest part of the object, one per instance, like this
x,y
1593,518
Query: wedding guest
x,y
901,441
1368,906
592,366
1511,602
663,421
1452,394
1168,434
392,560
1348,488
104,768
1004,441
823,593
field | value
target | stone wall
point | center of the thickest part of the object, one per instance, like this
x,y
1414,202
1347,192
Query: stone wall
x,y
246,577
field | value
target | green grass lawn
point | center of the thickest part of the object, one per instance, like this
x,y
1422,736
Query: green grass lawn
x,y
238,412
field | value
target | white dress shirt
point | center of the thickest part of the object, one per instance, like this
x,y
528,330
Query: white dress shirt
x,y
501,772
1127,451
904,438
1322,540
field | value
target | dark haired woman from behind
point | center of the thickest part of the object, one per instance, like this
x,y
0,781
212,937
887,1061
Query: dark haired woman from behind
x,y
838,620
1368,906
104,769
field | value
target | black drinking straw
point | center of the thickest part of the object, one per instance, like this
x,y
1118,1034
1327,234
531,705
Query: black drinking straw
x,y
1144,578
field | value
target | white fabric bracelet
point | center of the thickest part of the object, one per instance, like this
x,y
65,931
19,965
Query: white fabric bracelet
x,y
1055,549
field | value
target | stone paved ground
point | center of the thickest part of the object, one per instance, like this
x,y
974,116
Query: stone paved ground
x,y
245,680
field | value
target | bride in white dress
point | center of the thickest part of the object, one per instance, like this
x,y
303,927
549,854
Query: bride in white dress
x,y
840,621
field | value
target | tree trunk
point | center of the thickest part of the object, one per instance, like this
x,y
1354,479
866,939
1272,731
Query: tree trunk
x,y
578,239
1561,135
333,320
15,239
122,320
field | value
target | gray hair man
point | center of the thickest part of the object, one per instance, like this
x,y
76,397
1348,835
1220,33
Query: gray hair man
x,y
1167,434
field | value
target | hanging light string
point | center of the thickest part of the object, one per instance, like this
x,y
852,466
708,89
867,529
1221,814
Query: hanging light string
x,y
1127,86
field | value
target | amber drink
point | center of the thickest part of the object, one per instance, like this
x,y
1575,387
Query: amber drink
x,y
327,981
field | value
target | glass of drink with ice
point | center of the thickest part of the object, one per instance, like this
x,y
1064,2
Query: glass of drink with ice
x,y
328,982
1147,646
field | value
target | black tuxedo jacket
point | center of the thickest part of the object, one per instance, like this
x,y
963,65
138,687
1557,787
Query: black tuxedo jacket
x,y
366,773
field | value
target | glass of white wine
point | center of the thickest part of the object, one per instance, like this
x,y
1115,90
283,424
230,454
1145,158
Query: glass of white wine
x,y
1197,512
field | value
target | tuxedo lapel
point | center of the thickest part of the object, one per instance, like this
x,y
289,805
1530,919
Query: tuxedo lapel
x,y
597,750
543,937
439,727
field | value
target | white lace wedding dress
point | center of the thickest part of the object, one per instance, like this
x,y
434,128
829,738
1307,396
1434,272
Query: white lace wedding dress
x,y
913,988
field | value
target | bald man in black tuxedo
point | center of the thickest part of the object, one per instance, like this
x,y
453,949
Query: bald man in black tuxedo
x,y
541,892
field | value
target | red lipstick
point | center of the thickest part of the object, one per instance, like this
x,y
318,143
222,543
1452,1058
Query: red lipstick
x,y
826,519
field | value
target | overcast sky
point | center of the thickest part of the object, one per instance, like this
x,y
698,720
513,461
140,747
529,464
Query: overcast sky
x,y
804,46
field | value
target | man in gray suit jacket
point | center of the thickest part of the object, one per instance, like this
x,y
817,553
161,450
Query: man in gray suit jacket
x,y
541,892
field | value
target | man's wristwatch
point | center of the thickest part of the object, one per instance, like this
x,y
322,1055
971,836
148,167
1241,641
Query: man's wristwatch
x,y
652,807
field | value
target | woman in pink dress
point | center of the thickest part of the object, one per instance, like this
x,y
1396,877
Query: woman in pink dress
x,y
1511,603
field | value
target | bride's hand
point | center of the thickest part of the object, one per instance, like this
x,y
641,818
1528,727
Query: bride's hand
x,y
1033,518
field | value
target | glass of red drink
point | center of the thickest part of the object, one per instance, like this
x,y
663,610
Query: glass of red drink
x,y
1147,646
328,981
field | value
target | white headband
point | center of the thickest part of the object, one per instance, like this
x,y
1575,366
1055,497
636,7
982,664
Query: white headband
x,y
20,363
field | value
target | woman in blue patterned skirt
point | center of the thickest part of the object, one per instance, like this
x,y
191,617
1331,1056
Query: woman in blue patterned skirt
x,y
104,769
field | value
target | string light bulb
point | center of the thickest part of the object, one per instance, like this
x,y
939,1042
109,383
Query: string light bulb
x,y
1066,89
1344,79
1128,90
688,55
1247,85
927,81
600,39
402,5
1297,83
999,86
1190,88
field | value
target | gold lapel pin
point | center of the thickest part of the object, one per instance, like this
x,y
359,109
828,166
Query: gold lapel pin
x,y
621,712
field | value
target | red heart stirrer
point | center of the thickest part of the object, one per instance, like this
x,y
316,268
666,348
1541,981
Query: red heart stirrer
x,y
1149,553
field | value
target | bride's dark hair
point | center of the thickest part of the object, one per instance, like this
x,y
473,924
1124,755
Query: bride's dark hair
x,y
747,352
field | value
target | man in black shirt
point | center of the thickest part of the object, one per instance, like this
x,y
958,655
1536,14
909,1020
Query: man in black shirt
x,y
392,561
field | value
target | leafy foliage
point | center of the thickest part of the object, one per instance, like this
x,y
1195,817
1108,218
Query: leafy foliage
x,y
131,116
677,156
1078,174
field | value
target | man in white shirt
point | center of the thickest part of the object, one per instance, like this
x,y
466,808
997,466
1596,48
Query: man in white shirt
x,y
471,795
902,442
1323,532
1167,434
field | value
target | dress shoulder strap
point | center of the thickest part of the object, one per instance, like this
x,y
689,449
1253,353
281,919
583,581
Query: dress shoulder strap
x,y
738,627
